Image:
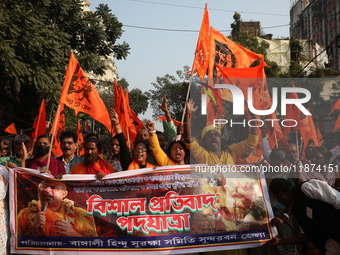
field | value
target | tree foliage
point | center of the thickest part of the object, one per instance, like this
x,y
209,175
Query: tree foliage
x,y
175,89
36,38
138,101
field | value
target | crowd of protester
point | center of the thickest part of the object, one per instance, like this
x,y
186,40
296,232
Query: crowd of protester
x,y
289,195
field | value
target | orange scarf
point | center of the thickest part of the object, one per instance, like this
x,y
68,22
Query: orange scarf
x,y
134,165
101,166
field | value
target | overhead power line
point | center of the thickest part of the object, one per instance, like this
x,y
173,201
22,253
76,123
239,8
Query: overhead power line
x,y
189,30
210,9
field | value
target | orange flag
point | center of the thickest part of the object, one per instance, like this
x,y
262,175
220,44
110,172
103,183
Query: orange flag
x,y
11,129
80,139
319,136
136,123
336,106
274,131
129,121
163,118
39,125
337,124
244,78
227,53
121,108
60,127
79,94
313,132
202,53
292,112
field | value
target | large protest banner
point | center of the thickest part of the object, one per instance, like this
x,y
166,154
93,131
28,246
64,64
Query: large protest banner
x,y
177,209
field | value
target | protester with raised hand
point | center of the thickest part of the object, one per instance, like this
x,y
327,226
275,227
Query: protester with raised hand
x,y
168,125
210,150
178,153
42,158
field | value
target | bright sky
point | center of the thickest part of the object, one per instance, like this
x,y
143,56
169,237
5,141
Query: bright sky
x,y
159,52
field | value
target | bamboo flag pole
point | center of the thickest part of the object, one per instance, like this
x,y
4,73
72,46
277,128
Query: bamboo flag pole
x,y
277,145
297,144
53,135
186,97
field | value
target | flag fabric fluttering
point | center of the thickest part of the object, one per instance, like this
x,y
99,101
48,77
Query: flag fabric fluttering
x,y
202,53
11,129
292,112
163,118
337,124
79,94
274,131
227,53
213,48
79,134
336,106
39,125
129,121
59,122
313,132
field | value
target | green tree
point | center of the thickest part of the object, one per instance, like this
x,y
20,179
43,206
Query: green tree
x,y
138,101
123,83
36,38
175,90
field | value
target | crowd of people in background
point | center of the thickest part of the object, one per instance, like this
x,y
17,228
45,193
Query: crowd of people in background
x,y
289,195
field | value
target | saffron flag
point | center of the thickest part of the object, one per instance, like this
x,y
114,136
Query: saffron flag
x,y
337,124
59,122
313,132
79,94
129,121
336,106
39,125
202,53
244,78
274,131
291,111
163,118
136,123
11,129
319,136
227,53
79,134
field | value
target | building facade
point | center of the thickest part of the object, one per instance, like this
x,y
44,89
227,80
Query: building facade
x,y
319,21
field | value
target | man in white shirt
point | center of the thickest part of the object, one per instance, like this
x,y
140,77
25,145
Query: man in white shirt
x,y
316,206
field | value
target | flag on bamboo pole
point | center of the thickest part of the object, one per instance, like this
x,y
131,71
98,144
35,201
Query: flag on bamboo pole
x,y
313,132
11,129
319,135
244,78
274,131
121,110
129,121
79,94
227,53
79,134
60,122
337,124
292,112
336,106
202,53
39,125
136,123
